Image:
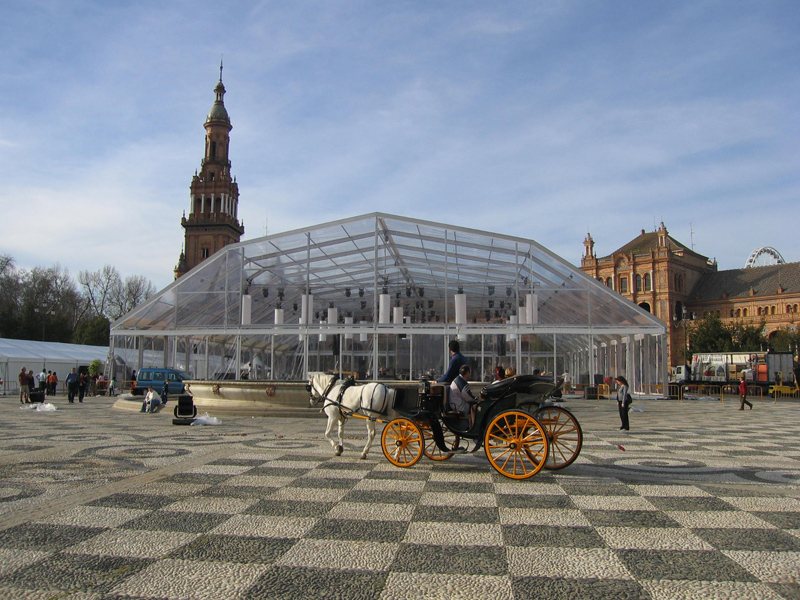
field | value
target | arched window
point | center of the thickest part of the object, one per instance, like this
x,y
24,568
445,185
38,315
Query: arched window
x,y
772,310
732,313
744,312
623,285
645,306
638,283
738,312
608,282
648,284
213,152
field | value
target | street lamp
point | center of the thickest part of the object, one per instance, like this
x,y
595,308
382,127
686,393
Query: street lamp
x,y
682,322
44,312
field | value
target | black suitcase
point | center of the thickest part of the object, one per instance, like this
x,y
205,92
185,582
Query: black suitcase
x,y
37,396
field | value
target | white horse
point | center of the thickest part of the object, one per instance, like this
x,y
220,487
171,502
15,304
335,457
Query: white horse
x,y
370,400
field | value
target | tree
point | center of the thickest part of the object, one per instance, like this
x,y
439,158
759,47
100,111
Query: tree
x,y
96,367
786,339
712,335
46,304
748,338
108,295
709,335
92,332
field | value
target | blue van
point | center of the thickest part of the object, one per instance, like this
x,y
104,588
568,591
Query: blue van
x,y
155,377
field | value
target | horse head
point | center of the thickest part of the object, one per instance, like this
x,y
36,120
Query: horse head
x,y
319,385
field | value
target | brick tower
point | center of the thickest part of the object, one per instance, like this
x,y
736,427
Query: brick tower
x,y
214,196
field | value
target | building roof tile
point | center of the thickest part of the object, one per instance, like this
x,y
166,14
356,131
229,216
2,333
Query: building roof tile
x,y
738,283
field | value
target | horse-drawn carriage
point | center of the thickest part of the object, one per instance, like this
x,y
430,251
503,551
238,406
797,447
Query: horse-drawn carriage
x,y
516,422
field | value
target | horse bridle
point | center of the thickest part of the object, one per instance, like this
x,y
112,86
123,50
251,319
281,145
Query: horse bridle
x,y
314,400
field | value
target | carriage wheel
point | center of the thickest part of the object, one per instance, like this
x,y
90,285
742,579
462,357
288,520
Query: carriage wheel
x,y
516,444
402,442
431,450
564,434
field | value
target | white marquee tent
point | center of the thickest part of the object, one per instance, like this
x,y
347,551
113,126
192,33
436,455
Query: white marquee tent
x,y
50,356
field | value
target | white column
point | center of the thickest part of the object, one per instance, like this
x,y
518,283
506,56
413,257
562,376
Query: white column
x,y
278,316
247,309
384,304
461,308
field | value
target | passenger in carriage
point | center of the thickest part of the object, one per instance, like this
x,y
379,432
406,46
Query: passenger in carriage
x,y
461,398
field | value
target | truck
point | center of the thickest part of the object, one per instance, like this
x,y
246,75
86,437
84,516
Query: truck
x,y
759,368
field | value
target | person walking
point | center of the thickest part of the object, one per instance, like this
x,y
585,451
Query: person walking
x,y
567,381
72,385
743,394
623,401
24,388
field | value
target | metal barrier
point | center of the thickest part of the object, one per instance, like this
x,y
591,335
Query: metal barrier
x,y
657,389
781,395
700,389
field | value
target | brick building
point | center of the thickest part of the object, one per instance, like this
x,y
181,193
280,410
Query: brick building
x,y
676,284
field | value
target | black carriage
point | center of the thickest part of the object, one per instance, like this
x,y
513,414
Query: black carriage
x,y
516,422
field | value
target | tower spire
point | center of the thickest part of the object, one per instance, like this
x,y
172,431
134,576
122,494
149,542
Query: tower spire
x,y
220,68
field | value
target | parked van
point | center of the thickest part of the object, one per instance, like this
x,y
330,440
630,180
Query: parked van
x,y
154,376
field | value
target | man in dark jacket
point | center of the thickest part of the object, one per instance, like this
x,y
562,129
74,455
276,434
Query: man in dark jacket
x,y
72,381
457,360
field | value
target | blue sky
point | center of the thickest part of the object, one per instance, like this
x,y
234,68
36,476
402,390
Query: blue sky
x,y
541,119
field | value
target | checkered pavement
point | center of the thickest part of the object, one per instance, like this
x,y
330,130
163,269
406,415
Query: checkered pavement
x,y
695,502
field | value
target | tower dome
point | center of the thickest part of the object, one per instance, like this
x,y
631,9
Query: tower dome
x,y
218,112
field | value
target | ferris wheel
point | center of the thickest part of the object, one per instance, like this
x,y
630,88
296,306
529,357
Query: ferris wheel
x,y
761,257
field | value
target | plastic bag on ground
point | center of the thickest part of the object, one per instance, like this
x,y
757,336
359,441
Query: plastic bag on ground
x,y
46,407
206,419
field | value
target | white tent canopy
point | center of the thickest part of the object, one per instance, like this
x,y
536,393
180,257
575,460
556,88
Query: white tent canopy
x,y
50,356
381,294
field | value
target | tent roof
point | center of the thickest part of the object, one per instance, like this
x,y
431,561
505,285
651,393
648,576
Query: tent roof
x,y
36,352
348,263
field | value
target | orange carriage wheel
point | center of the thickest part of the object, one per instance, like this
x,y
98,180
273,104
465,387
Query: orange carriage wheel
x,y
516,444
564,434
431,450
402,442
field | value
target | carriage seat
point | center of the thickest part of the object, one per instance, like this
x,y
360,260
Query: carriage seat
x,y
519,384
443,390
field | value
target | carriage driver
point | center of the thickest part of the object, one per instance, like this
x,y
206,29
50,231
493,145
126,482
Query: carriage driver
x,y
461,397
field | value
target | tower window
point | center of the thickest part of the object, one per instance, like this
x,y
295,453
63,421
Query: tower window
x,y
213,150
211,175
204,253
647,282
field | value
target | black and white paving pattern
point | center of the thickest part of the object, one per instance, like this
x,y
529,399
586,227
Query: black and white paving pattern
x,y
698,500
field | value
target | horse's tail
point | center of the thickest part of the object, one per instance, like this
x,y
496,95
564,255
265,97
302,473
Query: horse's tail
x,y
376,397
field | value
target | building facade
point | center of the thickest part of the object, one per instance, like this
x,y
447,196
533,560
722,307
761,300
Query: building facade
x,y
676,284
213,220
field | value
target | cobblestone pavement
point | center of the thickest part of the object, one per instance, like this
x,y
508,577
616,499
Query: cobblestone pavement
x,y
699,500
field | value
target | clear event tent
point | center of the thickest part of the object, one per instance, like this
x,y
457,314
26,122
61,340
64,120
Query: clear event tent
x,y
380,296
50,356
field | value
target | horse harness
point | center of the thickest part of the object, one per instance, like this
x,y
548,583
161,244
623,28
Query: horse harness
x,y
346,383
